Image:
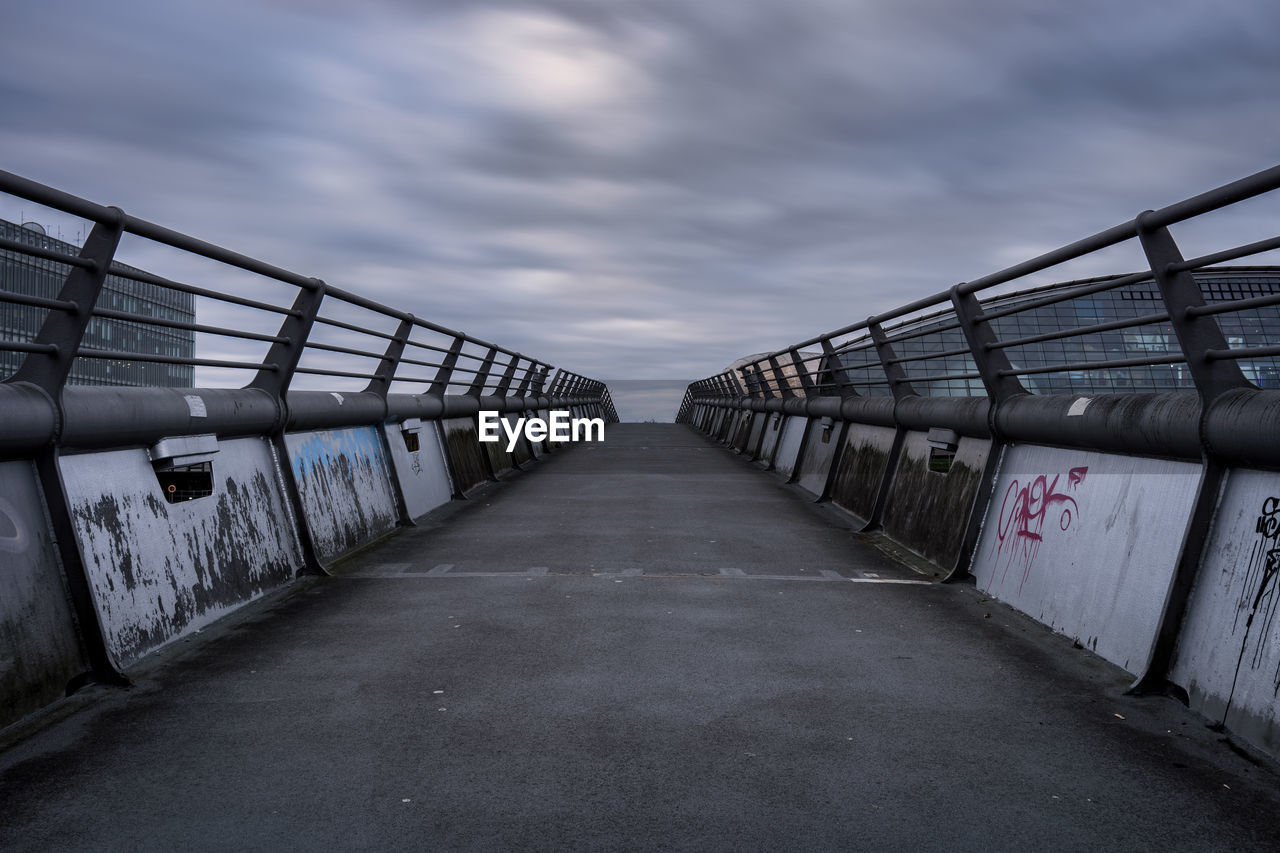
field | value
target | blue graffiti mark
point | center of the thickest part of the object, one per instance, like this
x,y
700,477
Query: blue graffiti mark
x,y
321,451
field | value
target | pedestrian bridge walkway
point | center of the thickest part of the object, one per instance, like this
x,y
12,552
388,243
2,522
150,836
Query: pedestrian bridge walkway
x,y
644,644
989,570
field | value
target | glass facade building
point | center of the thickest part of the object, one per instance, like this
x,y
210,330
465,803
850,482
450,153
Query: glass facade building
x,y
1249,328
21,273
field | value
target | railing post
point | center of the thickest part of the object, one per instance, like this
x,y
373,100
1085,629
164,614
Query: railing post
x,y
1196,335
477,390
544,370
900,388
995,371
383,376
779,377
482,375
503,386
553,390
899,385
274,377
992,364
64,330
281,361
385,373
48,371
508,377
806,391
802,374
440,385
522,390
832,365
782,390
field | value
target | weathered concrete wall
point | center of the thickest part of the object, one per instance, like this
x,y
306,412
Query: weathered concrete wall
x,y
423,475
160,570
770,436
1228,656
344,480
39,649
742,428
819,453
860,468
467,462
788,449
760,422
928,511
1086,543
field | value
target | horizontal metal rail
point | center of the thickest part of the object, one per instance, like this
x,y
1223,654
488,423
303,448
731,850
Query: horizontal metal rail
x,y
984,331
466,361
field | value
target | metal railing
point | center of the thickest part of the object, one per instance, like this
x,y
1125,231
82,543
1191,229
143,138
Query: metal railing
x,y
1187,325
319,330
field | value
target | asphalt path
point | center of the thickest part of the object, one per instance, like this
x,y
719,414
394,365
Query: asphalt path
x,y
643,645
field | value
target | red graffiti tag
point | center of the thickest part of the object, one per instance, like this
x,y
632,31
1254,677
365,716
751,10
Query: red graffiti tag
x,y
1022,517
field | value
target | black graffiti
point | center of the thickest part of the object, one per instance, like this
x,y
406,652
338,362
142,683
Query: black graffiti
x,y
1259,596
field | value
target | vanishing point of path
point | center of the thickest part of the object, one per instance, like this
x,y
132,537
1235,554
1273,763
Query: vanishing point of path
x,y
641,645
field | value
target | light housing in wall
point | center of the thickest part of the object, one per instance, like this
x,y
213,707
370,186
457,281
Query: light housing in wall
x,y
184,466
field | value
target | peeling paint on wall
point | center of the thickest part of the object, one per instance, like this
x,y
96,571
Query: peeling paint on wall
x,y
1086,543
344,480
160,570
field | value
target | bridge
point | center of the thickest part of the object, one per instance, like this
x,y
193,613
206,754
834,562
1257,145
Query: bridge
x,y
875,590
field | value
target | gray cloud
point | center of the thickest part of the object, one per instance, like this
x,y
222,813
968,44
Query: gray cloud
x,y
646,189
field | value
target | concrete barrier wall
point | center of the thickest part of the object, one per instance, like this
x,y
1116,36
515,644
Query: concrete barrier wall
x,y
468,463
929,511
1228,655
788,448
422,473
760,421
1086,543
860,468
344,480
39,649
770,437
158,570
819,454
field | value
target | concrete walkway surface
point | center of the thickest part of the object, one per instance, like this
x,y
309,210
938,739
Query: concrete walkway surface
x,y
642,645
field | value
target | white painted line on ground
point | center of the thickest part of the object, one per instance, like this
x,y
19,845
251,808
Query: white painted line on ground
x,y
889,580
733,573
538,570
441,569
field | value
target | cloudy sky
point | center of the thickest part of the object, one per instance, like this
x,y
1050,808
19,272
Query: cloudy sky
x,y
640,189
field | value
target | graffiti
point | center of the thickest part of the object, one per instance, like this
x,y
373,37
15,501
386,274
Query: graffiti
x,y
1259,595
1023,513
